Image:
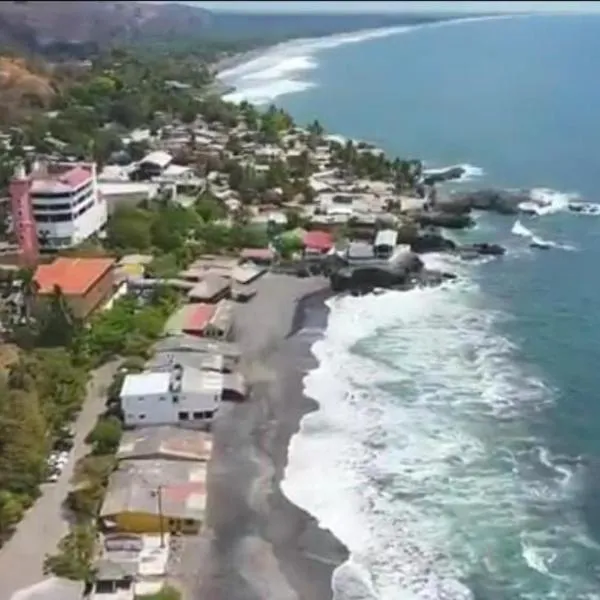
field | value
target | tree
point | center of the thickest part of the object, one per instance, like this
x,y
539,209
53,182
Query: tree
x,y
57,323
105,436
75,555
209,208
11,510
29,289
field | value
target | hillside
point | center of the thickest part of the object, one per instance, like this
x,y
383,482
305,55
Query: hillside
x,y
78,28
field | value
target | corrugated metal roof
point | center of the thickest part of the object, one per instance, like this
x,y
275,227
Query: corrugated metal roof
x,y
199,317
318,240
168,442
257,254
222,318
209,288
134,488
246,273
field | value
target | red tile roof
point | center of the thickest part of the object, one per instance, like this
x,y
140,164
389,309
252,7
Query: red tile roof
x,y
257,253
74,276
199,317
318,240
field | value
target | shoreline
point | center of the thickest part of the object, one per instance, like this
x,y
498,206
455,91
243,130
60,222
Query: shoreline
x,y
258,544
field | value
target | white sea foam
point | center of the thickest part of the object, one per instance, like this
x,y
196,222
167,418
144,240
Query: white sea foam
x,y
419,458
519,229
279,70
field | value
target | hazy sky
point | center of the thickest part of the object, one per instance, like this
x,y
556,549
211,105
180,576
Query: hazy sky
x,y
377,6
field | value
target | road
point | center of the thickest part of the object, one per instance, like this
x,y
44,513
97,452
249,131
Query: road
x,y
22,557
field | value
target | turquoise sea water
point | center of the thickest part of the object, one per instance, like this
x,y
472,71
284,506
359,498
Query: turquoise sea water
x,y
457,448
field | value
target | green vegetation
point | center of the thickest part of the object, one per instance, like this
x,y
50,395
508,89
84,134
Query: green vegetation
x,y
176,235
75,554
168,592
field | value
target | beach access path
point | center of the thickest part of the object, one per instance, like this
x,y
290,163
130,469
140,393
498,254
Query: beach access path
x,y
46,522
256,544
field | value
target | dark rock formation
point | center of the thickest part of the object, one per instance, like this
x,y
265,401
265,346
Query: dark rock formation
x,y
364,278
441,176
471,251
499,201
431,242
450,220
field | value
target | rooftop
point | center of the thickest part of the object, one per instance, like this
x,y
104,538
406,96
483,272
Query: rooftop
x,y
318,240
192,344
60,177
199,317
165,442
53,588
73,276
145,384
133,487
158,157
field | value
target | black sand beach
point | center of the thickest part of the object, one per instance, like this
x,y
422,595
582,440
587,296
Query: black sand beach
x,y
261,546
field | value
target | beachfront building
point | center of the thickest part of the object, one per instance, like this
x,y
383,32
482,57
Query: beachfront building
x,y
165,443
85,283
63,200
155,496
182,396
385,243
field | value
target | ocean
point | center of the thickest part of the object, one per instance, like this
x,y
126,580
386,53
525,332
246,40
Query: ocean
x,y
457,442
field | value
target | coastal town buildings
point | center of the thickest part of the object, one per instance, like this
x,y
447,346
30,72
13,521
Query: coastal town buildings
x,y
85,283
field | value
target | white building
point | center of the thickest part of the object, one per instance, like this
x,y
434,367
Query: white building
x,y
67,206
184,396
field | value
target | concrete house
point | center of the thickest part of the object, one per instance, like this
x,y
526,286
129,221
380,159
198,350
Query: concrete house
x,y
385,242
181,396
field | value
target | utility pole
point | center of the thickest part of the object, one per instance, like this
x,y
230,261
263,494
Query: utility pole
x,y
160,516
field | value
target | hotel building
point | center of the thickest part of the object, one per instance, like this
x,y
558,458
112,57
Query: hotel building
x,y
64,202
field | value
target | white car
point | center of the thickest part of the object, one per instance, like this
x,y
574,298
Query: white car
x,y
63,458
53,477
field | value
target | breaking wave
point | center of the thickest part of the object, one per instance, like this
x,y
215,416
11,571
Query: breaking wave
x,y
519,229
281,69
544,201
421,459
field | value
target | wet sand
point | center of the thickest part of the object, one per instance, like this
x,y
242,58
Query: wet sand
x,y
260,545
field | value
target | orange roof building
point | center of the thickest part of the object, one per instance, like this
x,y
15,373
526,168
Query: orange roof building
x,y
85,282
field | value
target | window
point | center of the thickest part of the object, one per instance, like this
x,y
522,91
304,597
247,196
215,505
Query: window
x,y
198,415
183,416
210,414
141,417
175,399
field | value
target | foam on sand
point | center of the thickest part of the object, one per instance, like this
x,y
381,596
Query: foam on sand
x,y
420,459
281,69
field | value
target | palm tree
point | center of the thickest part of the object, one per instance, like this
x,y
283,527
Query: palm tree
x,y
29,289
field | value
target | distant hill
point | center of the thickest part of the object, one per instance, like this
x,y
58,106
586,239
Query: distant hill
x,y
77,29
